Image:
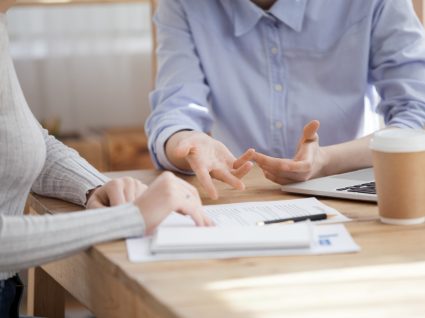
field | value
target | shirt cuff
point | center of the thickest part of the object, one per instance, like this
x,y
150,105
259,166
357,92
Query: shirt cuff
x,y
76,177
403,124
160,154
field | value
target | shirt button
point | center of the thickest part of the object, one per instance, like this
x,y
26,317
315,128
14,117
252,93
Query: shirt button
x,y
278,124
278,88
274,50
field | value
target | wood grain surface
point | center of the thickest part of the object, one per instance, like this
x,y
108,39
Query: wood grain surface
x,y
385,279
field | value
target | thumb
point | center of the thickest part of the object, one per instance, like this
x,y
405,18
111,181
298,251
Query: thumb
x,y
310,131
95,203
309,134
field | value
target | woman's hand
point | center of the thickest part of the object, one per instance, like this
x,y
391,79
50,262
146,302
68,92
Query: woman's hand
x,y
309,161
116,192
5,5
166,194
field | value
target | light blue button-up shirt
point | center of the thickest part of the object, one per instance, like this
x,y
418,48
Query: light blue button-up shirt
x,y
255,78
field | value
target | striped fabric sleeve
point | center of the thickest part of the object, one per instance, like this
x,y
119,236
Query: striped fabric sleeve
x,y
65,174
27,241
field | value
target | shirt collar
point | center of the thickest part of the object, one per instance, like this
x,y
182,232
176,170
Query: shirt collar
x,y
245,14
290,12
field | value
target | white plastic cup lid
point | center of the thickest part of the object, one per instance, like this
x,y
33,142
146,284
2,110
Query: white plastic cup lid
x,y
398,140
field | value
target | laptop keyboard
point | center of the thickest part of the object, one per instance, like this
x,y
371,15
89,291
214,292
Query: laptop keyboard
x,y
368,188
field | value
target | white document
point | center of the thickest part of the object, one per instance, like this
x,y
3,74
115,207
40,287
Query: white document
x,y
249,213
326,239
228,238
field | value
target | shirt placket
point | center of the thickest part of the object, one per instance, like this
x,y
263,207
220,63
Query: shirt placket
x,y
278,89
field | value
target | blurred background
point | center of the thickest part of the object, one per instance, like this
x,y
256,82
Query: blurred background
x,y
85,69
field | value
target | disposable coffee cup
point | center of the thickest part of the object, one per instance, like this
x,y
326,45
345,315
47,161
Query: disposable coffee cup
x,y
399,168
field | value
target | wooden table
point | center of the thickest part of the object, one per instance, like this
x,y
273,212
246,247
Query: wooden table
x,y
386,279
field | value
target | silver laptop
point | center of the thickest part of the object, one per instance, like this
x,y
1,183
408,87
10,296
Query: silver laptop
x,y
356,185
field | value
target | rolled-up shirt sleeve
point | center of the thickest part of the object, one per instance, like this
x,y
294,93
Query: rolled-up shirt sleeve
x,y
397,64
181,98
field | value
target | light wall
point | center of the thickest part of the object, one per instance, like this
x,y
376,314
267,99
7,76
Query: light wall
x,y
87,65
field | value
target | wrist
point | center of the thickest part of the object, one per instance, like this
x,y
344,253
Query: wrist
x,y
176,138
326,162
176,156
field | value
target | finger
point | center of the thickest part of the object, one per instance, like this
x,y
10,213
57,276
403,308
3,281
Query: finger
x,y
243,170
248,155
277,172
303,166
199,216
140,188
95,203
208,221
270,170
277,164
282,177
266,160
205,179
310,131
129,190
204,218
195,212
115,195
228,178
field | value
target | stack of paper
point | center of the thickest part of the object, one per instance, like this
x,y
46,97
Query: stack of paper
x,y
236,235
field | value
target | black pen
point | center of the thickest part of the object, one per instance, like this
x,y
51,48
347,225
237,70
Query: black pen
x,y
312,217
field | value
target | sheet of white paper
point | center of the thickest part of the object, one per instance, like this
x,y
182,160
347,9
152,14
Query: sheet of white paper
x,y
249,213
328,239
